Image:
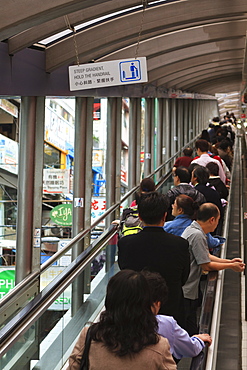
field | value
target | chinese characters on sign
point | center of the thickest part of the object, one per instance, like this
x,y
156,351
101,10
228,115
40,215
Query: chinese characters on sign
x,y
112,73
55,181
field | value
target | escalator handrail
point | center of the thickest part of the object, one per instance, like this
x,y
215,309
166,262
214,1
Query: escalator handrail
x,y
11,332
213,295
219,286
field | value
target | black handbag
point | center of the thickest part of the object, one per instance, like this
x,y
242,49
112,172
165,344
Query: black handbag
x,y
85,359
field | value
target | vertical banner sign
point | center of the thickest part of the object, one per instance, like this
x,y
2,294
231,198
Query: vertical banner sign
x,y
104,74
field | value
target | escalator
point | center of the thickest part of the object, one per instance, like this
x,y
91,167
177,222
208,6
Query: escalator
x,y
36,334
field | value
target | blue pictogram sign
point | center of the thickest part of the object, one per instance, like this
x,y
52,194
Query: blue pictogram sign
x,y
130,70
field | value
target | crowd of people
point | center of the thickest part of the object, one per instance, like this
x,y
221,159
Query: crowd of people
x,y
150,319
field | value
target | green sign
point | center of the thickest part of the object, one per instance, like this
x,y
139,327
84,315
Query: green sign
x,y
62,214
7,282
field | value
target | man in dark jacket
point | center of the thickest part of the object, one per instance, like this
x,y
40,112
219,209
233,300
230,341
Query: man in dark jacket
x,y
199,179
181,179
158,251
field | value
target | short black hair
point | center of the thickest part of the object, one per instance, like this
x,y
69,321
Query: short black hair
x,y
203,145
224,144
183,174
206,211
213,168
157,286
152,207
147,185
201,173
188,152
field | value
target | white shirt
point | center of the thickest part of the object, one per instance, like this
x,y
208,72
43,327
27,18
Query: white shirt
x,y
204,159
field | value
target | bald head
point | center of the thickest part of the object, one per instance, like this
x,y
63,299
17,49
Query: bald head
x,y
207,211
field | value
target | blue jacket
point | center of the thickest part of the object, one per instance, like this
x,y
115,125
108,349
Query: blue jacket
x,y
179,224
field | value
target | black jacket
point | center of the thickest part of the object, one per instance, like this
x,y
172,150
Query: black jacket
x,y
183,189
211,195
219,186
156,250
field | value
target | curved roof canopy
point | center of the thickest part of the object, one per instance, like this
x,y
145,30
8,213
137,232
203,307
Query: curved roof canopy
x,y
190,45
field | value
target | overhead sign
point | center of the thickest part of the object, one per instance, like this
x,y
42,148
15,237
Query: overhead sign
x,y
104,74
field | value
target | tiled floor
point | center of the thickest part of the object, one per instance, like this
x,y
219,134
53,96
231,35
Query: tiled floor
x,y
244,327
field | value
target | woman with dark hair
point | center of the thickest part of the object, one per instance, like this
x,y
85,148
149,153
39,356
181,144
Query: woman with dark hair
x,y
183,209
126,335
205,135
147,185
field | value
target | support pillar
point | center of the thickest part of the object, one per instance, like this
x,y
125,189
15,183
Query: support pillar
x,y
174,138
167,131
148,137
113,168
134,143
25,194
159,134
180,129
190,117
38,178
185,122
82,189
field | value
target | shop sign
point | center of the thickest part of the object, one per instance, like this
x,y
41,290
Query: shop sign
x,y
123,175
55,181
8,154
9,107
7,281
141,157
57,130
64,300
62,214
98,207
97,158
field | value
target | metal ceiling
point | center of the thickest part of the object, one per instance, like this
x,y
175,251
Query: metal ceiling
x,y
190,45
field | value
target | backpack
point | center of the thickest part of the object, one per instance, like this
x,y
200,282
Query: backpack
x,y
130,223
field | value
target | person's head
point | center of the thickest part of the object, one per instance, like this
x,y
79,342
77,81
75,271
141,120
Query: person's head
x,y
188,152
184,204
200,175
191,168
224,145
147,185
128,324
205,135
213,168
213,150
158,289
152,208
216,119
127,291
208,216
181,174
201,146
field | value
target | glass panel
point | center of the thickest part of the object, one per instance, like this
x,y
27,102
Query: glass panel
x,y
48,342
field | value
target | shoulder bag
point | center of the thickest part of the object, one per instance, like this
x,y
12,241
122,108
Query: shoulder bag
x,y
85,359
